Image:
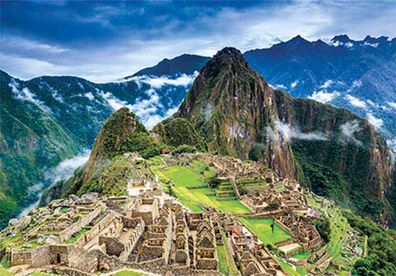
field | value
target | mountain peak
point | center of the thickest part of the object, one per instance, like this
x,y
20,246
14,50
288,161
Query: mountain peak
x,y
112,139
228,55
341,38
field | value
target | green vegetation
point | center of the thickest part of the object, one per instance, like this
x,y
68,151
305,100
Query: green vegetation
x,y
290,269
302,255
77,236
5,272
127,273
184,149
42,274
223,263
231,266
114,178
262,228
190,188
337,231
178,131
323,227
381,258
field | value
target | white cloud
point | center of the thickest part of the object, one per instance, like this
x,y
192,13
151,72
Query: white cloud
x,y
90,96
392,104
375,122
66,168
375,45
55,94
147,110
288,133
253,27
324,97
158,82
63,170
155,119
339,43
114,102
355,101
25,94
294,84
31,45
326,84
349,129
280,86
392,146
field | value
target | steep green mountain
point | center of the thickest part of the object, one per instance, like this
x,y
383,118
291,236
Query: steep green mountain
x,y
31,139
122,132
334,152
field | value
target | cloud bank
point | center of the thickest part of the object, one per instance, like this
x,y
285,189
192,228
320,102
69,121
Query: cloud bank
x,y
348,131
288,133
323,96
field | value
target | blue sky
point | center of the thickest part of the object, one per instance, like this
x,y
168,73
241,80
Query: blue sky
x,y
103,41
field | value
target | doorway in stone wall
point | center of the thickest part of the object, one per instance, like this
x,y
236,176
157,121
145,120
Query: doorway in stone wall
x,y
58,258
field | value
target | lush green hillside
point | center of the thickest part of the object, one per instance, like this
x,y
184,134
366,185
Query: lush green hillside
x,y
121,133
178,131
30,140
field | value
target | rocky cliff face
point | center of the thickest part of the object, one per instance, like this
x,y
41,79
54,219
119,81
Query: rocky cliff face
x,y
331,150
231,106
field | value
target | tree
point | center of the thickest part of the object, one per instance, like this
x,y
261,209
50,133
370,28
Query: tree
x,y
323,227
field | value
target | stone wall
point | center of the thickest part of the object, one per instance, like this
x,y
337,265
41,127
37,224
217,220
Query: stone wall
x,y
99,227
21,258
138,225
207,264
41,257
76,227
113,245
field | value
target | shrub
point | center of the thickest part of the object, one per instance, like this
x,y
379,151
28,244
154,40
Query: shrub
x,y
185,149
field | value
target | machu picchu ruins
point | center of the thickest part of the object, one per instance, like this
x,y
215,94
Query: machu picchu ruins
x,y
242,219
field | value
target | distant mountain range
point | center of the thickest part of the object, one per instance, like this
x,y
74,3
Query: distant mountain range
x,y
48,119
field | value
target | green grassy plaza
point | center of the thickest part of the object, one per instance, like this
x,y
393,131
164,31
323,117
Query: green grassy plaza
x,y
262,228
190,188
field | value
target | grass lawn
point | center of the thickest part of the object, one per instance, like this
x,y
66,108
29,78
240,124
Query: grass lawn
x,y
290,269
42,274
302,256
232,269
5,272
262,228
127,273
223,263
185,178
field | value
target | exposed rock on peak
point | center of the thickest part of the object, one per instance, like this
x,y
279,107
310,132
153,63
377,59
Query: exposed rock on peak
x,y
341,38
230,104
